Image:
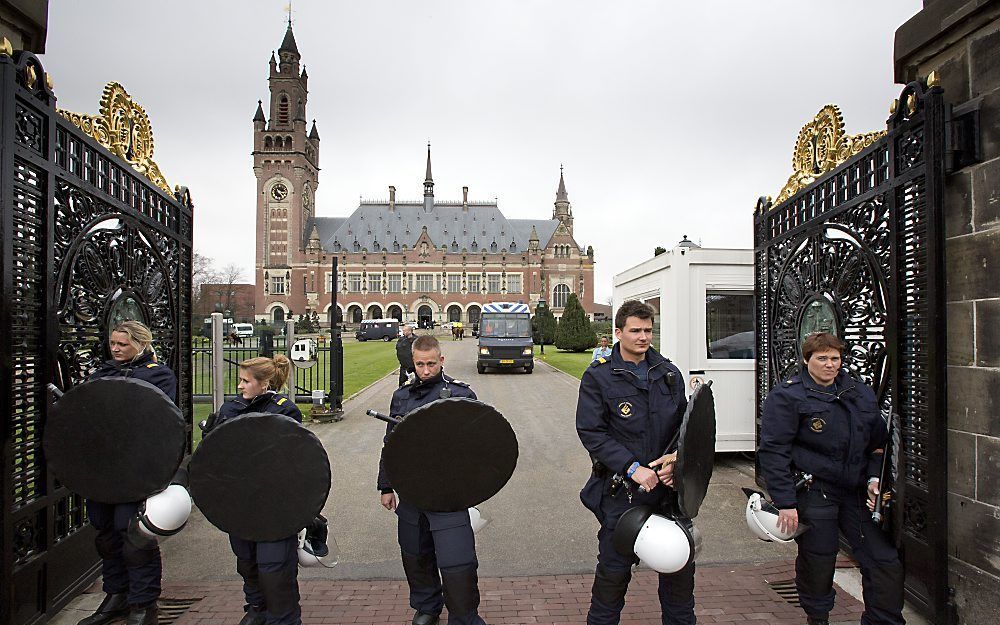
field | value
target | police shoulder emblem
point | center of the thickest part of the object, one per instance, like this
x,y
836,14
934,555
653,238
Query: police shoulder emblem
x,y
625,409
817,424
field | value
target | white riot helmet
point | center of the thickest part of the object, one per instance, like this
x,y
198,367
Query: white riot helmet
x,y
314,548
762,519
665,545
477,519
162,514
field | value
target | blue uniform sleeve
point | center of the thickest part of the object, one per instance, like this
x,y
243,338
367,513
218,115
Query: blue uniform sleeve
x,y
592,427
876,448
779,426
161,377
288,408
382,482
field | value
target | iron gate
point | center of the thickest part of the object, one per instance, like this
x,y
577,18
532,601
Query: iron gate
x,y
853,245
90,234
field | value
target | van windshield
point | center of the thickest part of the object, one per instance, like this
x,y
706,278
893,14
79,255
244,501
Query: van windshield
x,y
505,325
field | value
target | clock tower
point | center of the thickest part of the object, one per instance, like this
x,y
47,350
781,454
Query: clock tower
x,y
286,165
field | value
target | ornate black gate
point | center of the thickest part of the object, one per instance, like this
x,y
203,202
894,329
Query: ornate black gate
x,y
89,234
853,245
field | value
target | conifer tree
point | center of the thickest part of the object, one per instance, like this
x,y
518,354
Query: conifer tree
x,y
574,333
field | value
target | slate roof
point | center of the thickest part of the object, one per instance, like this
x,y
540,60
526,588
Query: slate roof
x,y
373,227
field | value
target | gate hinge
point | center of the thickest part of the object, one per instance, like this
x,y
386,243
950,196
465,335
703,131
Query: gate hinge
x,y
962,140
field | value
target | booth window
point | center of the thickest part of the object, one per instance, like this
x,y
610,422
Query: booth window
x,y
729,325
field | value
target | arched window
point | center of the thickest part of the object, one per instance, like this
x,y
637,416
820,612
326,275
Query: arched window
x,y
454,312
278,315
559,296
374,312
267,142
354,314
395,312
474,313
278,142
283,110
288,143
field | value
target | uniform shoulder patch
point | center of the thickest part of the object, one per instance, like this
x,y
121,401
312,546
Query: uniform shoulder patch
x,y
280,401
599,361
151,365
792,380
460,383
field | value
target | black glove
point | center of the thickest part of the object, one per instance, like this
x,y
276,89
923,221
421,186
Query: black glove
x,y
208,424
316,534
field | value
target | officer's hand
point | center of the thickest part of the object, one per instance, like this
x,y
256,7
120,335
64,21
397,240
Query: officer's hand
x,y
646,478
788,520
666,471
872,494
389,501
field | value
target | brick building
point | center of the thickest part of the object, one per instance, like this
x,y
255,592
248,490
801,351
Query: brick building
x,y
413,260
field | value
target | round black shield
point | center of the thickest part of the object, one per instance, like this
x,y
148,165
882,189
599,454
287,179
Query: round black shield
x,y
450,454
260,477
114,440
695,451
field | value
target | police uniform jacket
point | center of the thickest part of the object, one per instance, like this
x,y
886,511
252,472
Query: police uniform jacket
x,y
411,396
141,368
836,433
621,419
404,352
269,402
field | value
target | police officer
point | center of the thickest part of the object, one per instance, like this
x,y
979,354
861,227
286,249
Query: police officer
x,y
824,422
433,541
269,568
629,409
131,572
404,353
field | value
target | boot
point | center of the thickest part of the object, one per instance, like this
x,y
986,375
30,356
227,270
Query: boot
x,y
254,616
145,615
114,606
816,620
420,618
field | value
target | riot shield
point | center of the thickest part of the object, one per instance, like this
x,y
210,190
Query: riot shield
x,y
695,451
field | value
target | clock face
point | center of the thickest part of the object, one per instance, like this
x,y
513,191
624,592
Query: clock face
x,y
279,192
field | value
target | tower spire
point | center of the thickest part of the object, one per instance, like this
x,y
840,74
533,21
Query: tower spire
x,y
561,195
428,183
562,210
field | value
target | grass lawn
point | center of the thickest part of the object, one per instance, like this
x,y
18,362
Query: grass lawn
x,y
364,363
573,363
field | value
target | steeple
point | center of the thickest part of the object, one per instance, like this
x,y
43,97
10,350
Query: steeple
x,y
314,134
259,115
428,183
288,43
563,211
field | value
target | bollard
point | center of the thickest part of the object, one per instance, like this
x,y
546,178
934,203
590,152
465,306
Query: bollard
x,y
218,364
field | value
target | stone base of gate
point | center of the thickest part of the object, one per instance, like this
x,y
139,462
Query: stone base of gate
x,y
741,593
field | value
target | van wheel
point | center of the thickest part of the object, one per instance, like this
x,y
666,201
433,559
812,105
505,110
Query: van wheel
x,y
386,338
529,369
480,368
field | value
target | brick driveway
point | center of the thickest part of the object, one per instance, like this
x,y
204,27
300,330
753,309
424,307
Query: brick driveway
x,y
724,594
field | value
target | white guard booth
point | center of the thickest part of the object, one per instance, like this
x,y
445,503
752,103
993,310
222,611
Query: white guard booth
x,y
705,318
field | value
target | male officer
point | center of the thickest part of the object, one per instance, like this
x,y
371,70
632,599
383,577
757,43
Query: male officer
x,y
824,422
429,541
629,409
404,353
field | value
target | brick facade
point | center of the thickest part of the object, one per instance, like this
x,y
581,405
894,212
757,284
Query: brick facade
x,y
414,260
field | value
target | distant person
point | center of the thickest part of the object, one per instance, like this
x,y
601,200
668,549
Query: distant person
x,y
404,353
602,351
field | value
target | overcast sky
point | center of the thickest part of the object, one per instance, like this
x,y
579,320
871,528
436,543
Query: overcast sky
x,y
671,118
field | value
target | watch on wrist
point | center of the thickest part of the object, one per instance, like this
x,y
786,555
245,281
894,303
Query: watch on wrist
x,y
632,469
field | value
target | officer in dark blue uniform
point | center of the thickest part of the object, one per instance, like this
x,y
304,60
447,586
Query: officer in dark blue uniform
x,y
269,568
131,572
430,541
825,423
629,409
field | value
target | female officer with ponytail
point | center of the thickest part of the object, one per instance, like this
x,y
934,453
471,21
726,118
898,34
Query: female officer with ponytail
x,y
269,569
131,573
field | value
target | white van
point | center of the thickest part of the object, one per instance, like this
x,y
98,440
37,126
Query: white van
x,y
243,330
304,350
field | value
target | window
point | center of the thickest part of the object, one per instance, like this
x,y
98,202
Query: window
x,y
559,296
513,283
329,282
277,285
454,282
473,281
493,281
374,283
354,282
424,282
395,281
729,325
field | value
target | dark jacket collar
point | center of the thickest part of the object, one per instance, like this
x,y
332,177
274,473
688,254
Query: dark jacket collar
x,y
653,359
263,398
841,385
421,385
139,361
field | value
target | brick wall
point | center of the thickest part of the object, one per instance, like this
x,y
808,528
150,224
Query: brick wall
x,y
961,42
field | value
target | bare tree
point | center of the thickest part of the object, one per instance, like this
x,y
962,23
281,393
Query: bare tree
x,y
226,280
202,272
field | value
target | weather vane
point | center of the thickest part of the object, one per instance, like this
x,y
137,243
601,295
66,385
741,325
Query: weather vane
x,y
288,7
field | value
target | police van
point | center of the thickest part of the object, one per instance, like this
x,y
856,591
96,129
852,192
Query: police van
x,y
374,329
505,337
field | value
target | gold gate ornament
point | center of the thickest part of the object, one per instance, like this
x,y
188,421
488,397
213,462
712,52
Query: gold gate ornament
x,y
124,129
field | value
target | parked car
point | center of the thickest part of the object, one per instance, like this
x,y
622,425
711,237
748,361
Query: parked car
x,y
385,329
243,330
